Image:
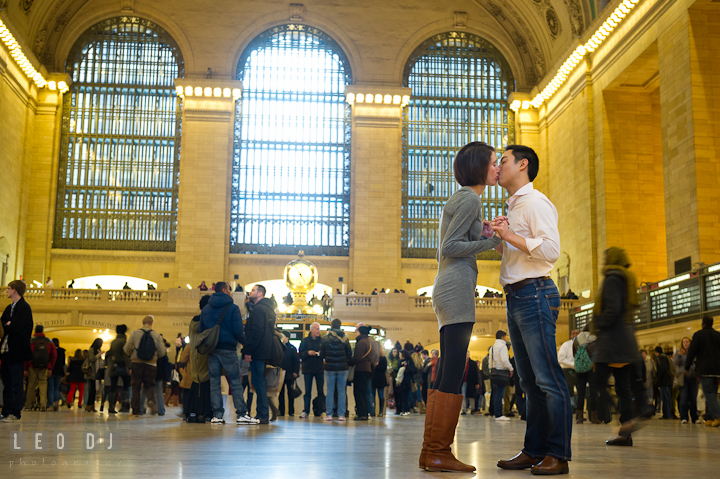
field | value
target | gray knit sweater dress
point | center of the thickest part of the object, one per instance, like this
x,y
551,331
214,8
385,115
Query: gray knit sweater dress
x,y
460,240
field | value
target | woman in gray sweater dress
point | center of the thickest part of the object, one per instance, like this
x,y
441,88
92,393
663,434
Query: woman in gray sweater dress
x,y
463,234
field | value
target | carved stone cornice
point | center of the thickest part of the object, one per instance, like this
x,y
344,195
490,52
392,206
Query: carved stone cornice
x,y
73,255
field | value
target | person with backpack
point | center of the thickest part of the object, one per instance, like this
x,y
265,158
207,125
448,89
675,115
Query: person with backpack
x,y
258,350
221,312
584,375
616,349
144,346
39,368
58,372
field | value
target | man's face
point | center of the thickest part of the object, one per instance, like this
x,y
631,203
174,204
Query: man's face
x,y
315,330
285,339
644,355
575,333
9,292
255,294
424,356
508,170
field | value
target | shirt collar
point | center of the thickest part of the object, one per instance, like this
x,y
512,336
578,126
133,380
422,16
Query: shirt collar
x,y
521,192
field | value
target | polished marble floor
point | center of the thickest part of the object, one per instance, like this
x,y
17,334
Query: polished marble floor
x,y
312,448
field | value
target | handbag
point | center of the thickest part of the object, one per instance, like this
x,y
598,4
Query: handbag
x,y
351,370
400,375
498,373
295,391
208,339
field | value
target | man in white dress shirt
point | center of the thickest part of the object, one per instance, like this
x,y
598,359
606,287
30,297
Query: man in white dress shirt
x,y
530,247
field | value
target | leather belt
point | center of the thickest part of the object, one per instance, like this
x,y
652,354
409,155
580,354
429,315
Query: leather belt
x,y
511,288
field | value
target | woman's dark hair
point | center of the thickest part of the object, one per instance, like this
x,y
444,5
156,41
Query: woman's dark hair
x,y
96,345
204,301
520,153
78,354
406,354
472,162
120,329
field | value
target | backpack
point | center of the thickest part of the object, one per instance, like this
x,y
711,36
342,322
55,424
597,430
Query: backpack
x,y
486,367
207,340
583,363
277,350
146,349
41,355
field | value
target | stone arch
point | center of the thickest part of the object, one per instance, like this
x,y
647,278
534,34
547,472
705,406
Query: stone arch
x,y
262,24
57,44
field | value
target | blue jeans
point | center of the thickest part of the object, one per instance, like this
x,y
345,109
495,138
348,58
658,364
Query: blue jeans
x,y
53,389
532,314
497,393
710,390
319,383
227,359
687,402
665,397
334,378
257,373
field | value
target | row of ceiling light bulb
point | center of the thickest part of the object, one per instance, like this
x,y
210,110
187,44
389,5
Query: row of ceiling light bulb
x,y
16,52
590,46
216,92
377,98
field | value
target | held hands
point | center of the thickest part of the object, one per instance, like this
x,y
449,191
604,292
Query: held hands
x,y
501,226
487,230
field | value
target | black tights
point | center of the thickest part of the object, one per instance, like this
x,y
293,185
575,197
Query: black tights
x,y
454,340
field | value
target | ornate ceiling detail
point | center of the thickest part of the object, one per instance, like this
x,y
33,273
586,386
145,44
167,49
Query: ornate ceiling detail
x,y
532,57
553,22
49,33
577,22
26,5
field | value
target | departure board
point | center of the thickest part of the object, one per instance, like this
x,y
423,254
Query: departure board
x,y
583,315
676,300
640,313
712,292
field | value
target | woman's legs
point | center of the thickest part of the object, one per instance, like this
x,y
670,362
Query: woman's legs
x,y
454,340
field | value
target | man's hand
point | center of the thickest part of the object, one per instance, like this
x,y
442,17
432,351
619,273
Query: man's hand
x,y
502,228
511,373
248,358
312,352
25,374
687,373
295,375
477,386
49,373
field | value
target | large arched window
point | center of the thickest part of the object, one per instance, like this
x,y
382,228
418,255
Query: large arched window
x,y
460,86
291,161
120,147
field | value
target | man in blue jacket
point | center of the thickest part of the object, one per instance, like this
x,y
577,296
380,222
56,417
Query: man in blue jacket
x,y
225,356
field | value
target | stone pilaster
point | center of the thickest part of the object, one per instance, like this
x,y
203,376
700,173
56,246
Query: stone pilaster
x,y
205,169
376,204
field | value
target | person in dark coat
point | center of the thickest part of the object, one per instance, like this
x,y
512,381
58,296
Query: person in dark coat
x,y
616,350
76,378
379,382
119,364
664,381
17,322
363,372
291,366
404,405
471,381
336,351
259,331
58,373
312,366
705,352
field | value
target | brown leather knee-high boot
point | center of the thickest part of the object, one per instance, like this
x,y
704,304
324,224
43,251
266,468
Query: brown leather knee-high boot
x,y
444,421
428,425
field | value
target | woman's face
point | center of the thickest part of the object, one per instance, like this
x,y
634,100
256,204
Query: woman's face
x,y
493,171
686,344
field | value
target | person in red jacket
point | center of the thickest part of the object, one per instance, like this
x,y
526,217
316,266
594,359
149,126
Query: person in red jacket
x,y
39,368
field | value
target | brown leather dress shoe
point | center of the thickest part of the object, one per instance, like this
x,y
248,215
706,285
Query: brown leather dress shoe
x,y
521,461
550,466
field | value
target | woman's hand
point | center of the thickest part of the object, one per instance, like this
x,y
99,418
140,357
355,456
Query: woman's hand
x,y
487,229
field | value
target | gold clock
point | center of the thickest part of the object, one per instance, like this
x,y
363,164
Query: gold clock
x,y
300,275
